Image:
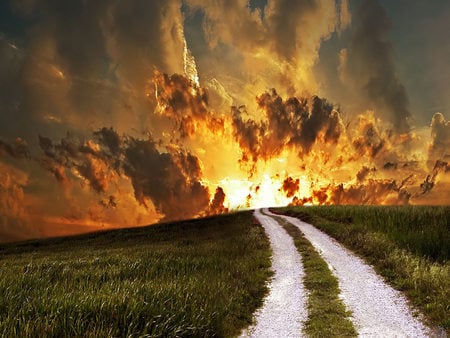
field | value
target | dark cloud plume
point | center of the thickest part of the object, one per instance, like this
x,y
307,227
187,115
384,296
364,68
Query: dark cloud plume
x,y
185,103
248,133
430,181
16,149
369,64
170,180
440,133
369,140
283,22
373,192
14,219
110,138
71,154
290,186
216,206
296,123
363,173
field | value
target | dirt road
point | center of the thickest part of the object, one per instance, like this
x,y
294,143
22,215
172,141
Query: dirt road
x,y
377,309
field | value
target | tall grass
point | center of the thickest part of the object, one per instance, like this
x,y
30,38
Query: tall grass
x,y
422,230
195,278
408,245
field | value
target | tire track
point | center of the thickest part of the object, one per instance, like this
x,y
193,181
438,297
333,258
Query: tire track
x,y
284,309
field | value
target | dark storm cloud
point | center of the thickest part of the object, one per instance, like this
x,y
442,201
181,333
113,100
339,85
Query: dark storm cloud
x,y
430,180
322,118
14,218
369,63
440,134
171,180
94,165
110,138
369,140
372,192
284,21
185,103
297,122
363,173
85,62
16,149
216,206
290,186
248,133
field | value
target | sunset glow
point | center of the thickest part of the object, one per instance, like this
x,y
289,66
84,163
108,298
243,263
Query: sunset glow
x,y
126,113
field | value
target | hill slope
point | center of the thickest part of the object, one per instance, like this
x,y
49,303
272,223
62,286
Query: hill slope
x,y
202,277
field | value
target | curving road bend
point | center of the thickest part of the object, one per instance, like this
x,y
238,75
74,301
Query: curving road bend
x,y
378,310
284,309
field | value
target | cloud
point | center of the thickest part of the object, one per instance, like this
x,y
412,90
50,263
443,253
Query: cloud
x,y
369,139
440,134
14,218
276,41
217,204
363,173
430,181
185,103
290,186
372,192
86,63
368,64
171,180
17,149
296,123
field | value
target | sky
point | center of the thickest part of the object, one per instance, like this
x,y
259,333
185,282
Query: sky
x,y
126,113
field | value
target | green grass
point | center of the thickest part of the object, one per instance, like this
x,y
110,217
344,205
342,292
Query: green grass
x,y
407,245
194,278
327,315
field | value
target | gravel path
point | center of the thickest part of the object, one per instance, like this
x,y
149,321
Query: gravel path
x,y
284,309
378,309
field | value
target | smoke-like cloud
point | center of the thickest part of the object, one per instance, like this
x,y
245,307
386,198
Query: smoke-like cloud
x,y
369,140
362,174
440,134
17,149
296,123
430,180
369,64
14,219
217,204
185,103
274,41
170,180
290,186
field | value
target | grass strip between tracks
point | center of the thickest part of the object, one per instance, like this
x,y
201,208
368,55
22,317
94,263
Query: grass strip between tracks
x,y
327,315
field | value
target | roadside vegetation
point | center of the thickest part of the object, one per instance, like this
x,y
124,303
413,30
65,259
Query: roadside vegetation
x,y
408,245
194,278
327,315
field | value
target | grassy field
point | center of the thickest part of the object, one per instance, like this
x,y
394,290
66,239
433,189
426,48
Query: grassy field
x,y
409,246
327,316
194,278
